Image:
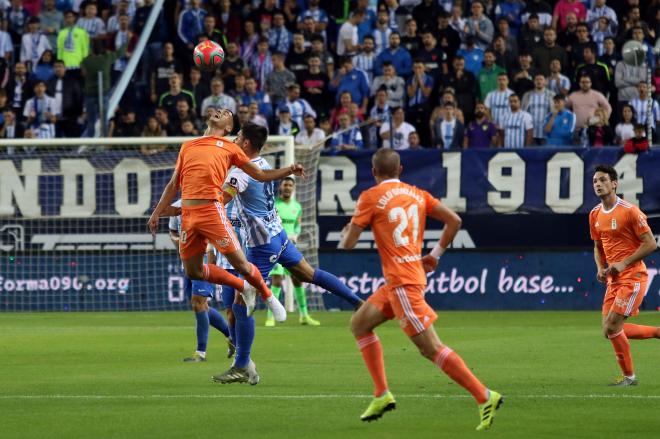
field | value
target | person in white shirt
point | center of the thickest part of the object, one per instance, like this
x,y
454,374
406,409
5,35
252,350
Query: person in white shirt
x,y
33,44
310,135
298,107
218,98
497,101
625,129
382,32
538,102
365,59
396,136
91,23
347,40
41,112
517,126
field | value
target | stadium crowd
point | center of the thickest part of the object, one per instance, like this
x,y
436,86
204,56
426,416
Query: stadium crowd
x,y
402,74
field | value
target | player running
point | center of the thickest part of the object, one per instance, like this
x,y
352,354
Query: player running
x,y
397,213
622,238
199,292
290,212
200,171
267,244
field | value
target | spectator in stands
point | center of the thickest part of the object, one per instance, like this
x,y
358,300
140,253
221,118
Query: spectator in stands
x,y
448,132
319,15
600,9
297,106
548,51
99,61
426,14
410,39
414,141
379,113
564,7
396,86
191,24
585,101
279,78
640,105
43,71
365,59
238,92
211,32
510,11
479,25
188,128
539,103
123,36
559,124
348,137
395,132
68,95
310,135
218,99
638,35
163,70
249,40
327,60
232,65
41,112
6,44
125,125
516,129
602,30
279,37
625,129
382,32
296,59
464,85
434,59
351,80
261,63
368,24
20,88
638,143
255,116
610,56
11,128
531,35
51,22
596,70
627,78
583,40
541,9
449,39
252,94
457,21
229,20
284,126
154,46
510,40
419,88
481,132
474,57
345,101
163,118
17,18
314,86
397,55
503,57
153,129
72,44
489,74
347,39
94,26
498,102
558,83
169,99
630,22
599,131
197,87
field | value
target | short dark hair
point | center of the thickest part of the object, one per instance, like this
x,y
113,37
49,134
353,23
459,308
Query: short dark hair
x,y
256,134
291,179
609,170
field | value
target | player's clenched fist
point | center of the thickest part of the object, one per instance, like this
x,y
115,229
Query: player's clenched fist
x,y
298,169
430,263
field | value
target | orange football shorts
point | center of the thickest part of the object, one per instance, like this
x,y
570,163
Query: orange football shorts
x,y
202,224
407,304
624,296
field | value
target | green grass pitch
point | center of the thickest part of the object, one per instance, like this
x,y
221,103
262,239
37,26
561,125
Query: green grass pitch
x,y
120,375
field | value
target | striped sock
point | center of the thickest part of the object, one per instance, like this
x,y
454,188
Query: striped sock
x,y
621,347
452,364
372,353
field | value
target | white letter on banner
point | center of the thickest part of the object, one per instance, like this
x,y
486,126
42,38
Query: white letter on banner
x,y
25,192
514,183
451,161
336,192
71,169
121,172
572,162
629,185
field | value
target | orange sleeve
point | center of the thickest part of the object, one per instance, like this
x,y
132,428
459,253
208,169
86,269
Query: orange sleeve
x,y
595,235
430,201
638,221
239,158
363,212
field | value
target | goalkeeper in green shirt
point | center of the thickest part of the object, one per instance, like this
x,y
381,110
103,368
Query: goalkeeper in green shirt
x,y
290,212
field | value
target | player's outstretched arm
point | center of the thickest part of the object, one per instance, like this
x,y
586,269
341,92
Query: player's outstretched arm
x,y
452,225
647,247
272,174
349,237
166,198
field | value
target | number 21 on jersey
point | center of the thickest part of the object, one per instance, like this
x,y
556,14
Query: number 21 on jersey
x,y
401,232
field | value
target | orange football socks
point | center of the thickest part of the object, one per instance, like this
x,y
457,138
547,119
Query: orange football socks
x,y
640,332
372,353
452,364
220,276
622,349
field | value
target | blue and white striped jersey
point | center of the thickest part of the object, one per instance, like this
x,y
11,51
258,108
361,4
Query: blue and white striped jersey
x,y
515,126
640,107
538,104
498,104
255,201
175,221
562,82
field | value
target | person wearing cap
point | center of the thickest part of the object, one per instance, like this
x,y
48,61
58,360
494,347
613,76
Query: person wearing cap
x,y
559,124
284,126
33,44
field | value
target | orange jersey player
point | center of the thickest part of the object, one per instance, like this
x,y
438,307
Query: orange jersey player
x,y
397,213
622,238
200,172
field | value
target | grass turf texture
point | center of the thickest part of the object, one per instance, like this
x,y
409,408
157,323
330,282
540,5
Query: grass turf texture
x,y
120,375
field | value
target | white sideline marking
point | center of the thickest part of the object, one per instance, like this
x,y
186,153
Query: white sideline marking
x,y
320,396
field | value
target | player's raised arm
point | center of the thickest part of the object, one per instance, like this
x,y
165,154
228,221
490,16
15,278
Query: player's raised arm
x,y
166,198
272,174
452,224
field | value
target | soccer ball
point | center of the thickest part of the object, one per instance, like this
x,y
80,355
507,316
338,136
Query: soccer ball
x,y
634,53
208,55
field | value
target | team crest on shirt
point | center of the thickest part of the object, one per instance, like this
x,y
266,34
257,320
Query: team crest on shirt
x,y
613,223
219,143
484,127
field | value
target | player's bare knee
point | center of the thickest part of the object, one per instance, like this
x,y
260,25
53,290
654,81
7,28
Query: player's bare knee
x,y
358,327
244,268
428,352
195,273
199,304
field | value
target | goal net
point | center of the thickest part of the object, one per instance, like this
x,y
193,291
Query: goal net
x,y
73,212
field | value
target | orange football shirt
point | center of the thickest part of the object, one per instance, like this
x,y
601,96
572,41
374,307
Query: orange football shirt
x,y
203,164
396,212
619,230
